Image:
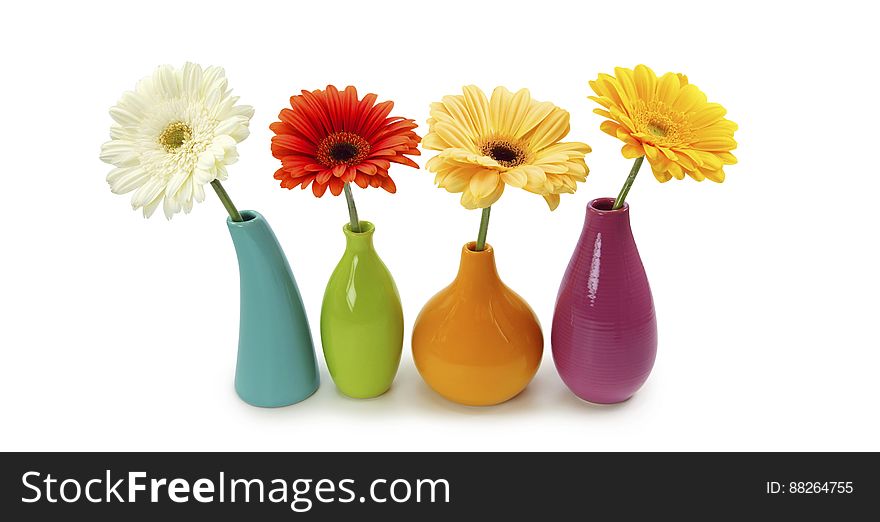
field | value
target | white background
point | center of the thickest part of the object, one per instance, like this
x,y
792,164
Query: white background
x,y
119,333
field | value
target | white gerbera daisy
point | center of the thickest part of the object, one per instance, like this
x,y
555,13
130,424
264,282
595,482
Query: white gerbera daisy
x,y
173,134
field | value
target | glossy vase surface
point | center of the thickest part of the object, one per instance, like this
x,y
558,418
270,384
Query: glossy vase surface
x,y
276,357
362,319
477,342
604,335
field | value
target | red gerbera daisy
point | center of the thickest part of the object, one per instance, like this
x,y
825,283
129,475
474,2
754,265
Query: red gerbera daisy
x,y
329,138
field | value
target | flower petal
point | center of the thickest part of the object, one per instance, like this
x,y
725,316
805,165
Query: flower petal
x,y
552,200
483,183
632,151
554,127
515,178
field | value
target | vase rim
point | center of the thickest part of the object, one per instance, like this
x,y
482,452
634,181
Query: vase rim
x,y
367,228
468,248
603,206
250,217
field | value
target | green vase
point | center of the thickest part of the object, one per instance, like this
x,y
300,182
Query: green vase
x,y
361,319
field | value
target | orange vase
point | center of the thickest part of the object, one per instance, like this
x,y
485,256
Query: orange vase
x,y
477,342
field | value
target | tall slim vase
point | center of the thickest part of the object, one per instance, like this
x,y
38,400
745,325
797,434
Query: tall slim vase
x,y
276,357
361,319
604,333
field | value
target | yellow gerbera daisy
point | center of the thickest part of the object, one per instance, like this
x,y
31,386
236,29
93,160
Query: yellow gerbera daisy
x,y
508,140
668,121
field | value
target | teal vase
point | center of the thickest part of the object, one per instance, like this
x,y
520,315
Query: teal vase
x,y
276,357
361,319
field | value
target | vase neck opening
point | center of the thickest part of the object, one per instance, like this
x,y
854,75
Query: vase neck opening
x,y
477,265
362,240
248,218
602,209
607,205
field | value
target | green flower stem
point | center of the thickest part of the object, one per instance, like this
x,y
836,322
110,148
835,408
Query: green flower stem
x,y
352,210
618,203
234,214
484,228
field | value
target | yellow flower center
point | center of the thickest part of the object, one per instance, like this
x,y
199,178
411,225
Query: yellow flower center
x,y
175,134
507,153
657,129
342,148
661,124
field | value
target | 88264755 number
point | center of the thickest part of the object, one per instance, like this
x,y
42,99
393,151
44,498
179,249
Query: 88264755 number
x,y
809,488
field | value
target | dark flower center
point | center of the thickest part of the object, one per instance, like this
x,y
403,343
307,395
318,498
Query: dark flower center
x,y
343,152
502,153
342,148
507,153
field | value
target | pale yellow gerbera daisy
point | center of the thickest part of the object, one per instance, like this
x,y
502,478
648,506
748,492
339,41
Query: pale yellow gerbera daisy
x,y
668,121
508,140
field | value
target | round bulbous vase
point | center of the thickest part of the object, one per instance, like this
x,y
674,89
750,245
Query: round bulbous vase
x,y
604,335
276,363
362,319
477,342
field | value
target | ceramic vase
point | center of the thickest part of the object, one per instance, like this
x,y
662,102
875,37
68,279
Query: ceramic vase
x,y
276,358
362,319
604,335
477,342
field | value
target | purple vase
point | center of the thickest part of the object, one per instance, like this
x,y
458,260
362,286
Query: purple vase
x,y
604,333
